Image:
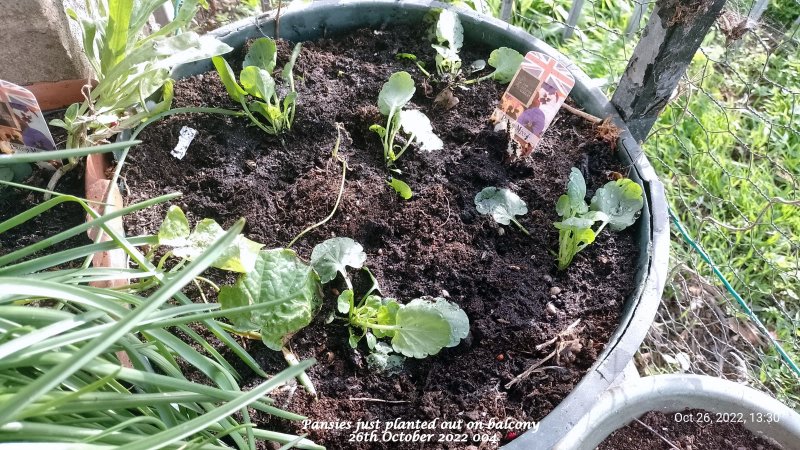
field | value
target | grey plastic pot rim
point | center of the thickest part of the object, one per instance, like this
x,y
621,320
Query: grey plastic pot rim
x,y
330,17
675,393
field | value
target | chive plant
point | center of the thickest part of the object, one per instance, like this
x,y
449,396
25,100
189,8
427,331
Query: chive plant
x,y
61,379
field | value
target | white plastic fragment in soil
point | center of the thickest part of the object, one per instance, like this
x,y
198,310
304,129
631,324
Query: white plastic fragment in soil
x,y
185,138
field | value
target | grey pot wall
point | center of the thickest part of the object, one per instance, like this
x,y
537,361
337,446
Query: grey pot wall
x,y
329,18
675,393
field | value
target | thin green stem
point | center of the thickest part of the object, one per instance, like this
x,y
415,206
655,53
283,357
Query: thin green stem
x,y
519,225
335,154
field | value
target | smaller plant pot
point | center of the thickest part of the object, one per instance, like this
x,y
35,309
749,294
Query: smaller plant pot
x,y
762,414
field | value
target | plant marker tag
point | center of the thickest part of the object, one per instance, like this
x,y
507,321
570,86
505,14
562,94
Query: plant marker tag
x,y
533,99
185,138
21,120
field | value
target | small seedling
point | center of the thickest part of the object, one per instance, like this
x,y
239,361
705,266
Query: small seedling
x,y
413,58
503,205
416,126
448,41
506,62
417,329
256,81
174,232
617,204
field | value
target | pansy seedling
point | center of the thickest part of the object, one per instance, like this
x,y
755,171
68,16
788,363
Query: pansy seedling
x,y
506,62
240,256
256,81
503,204
616,204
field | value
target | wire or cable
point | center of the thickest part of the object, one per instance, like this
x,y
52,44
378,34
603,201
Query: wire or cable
x,y
747,310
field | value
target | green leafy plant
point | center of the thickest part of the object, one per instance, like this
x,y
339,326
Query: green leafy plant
x,y
617,204
130,68
255,80
417,329
449,37
394,95
503,205
78,360
240,256
289,289
416,126
505,61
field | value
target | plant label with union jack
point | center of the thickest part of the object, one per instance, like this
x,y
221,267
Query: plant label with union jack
x,y
533,99
21,120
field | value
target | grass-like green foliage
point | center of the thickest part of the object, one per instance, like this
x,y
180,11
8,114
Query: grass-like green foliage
x,y
60,341
616,205
255,80
417,329
503,205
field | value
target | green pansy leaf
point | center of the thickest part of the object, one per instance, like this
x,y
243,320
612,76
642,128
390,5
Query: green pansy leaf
x,y
386,315
572,203
371,340
232,297
396,92
262,54
417,124
228,79
257,82
334,255
344,301
506,62
240,256
353,339
382,359
449,30
174,230
459,322
286,74
422,330
502,204
402,188
621,201
291,288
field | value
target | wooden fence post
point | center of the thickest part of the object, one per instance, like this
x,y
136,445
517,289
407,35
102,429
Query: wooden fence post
x,y
672,36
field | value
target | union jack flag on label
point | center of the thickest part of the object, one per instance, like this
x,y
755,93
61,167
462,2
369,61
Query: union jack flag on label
x,y
21,120
533,99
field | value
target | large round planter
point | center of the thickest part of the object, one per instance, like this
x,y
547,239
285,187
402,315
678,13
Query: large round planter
x,y
673,393
328,18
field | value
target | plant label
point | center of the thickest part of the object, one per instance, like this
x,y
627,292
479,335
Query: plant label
x,y
21,120
533,99
185,138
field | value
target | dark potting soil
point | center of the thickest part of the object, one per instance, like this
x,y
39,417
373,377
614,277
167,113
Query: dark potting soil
x,y
703,432
434,244
66,215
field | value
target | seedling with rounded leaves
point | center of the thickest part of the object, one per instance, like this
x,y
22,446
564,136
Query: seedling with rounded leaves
x,y
503,204
449,38
255,81
280,278
420,328
413,58
616,204
174,232
416,126
506,62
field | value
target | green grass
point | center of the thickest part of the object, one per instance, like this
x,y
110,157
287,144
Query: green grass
x,y
62,379
727,149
